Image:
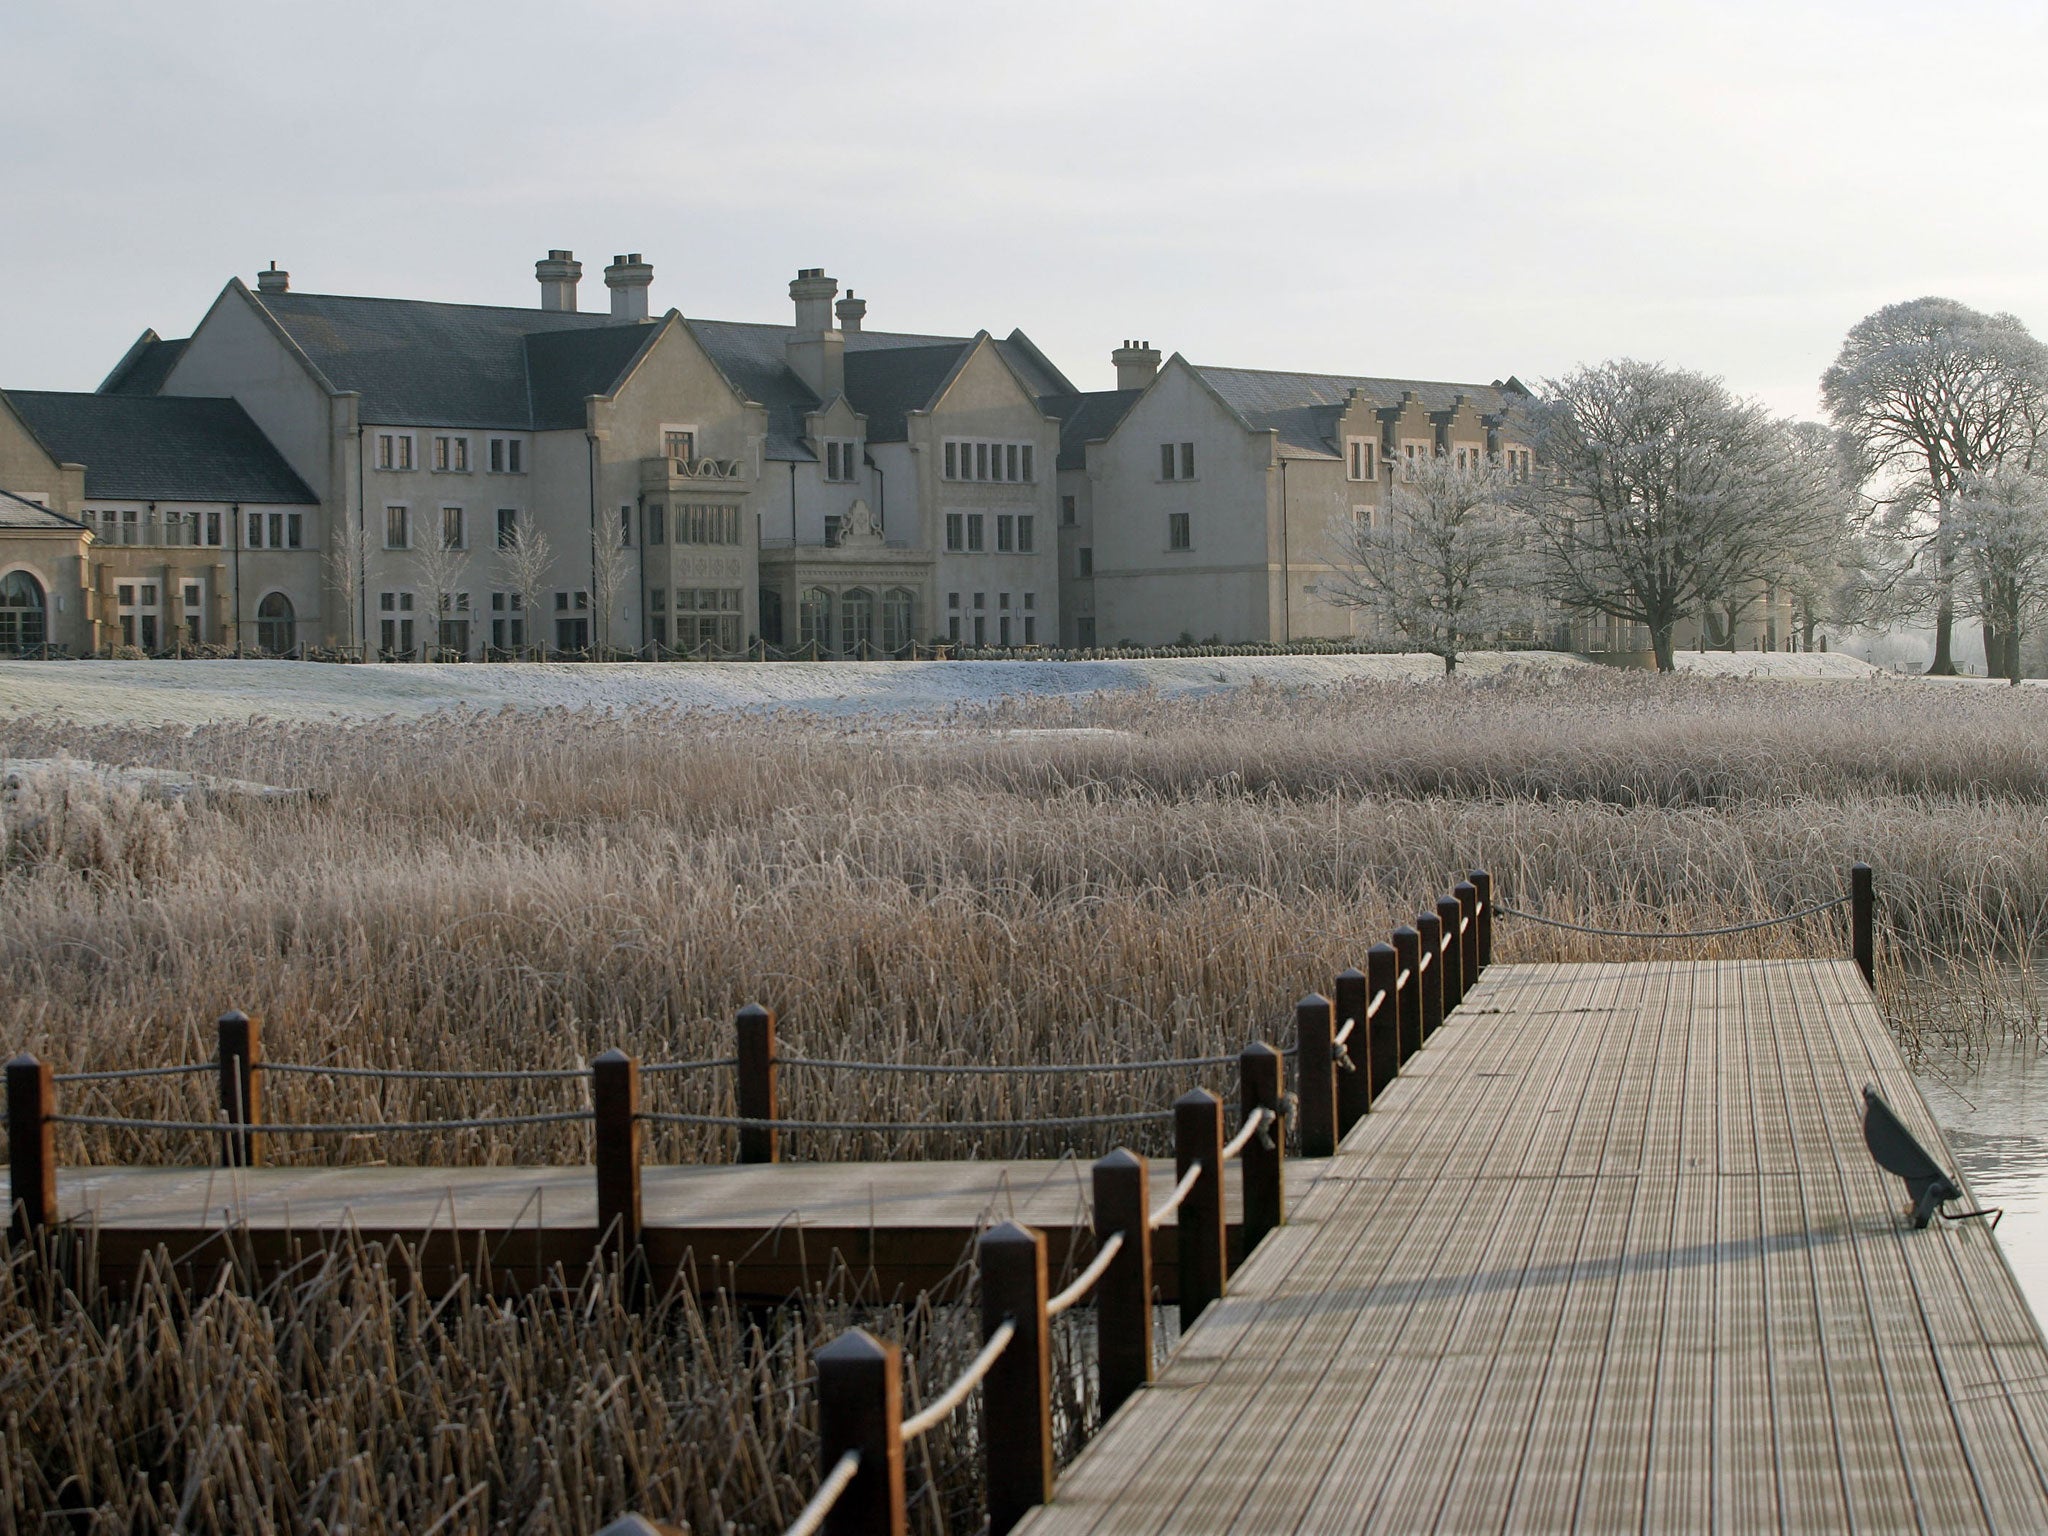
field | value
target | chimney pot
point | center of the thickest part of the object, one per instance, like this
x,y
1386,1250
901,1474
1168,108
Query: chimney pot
x,y
273,281
628,278
1136,364
851,312
558,276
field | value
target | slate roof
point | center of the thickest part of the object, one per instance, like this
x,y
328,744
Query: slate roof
x,y
1304,407
148,363
18,512
160,447
1087,417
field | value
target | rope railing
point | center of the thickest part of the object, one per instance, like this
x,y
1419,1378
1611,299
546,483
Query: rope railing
x,y
982,1069
811,1518
977,1370
1083,1283
896,1127
324,1128
422,1074
1676,933
127,1074
1165,1209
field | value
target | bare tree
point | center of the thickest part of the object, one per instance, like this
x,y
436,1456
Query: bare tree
x,y
1443,560
1657,492
439,565
611,565
344,563
1935,394
2000,523
1811,555
528,562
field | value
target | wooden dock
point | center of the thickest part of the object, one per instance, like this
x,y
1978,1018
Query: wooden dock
x,y
1608,1255
762,1231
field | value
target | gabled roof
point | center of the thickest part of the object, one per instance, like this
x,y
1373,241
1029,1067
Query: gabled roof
x,y
1303,408
144,368
1087,417
20,512
885,384
160,447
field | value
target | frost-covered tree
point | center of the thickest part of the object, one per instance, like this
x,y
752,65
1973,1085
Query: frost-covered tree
x,y
528,564
1814,563
1935,394
1441,562
611,565
2000,523
1659,492
344,562
438,566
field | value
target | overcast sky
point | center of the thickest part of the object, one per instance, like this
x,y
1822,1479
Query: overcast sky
x,y
1427,191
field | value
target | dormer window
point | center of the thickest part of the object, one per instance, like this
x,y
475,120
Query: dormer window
x,y
1361,458
841,457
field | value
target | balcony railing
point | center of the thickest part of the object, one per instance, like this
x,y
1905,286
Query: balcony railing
x,y
664,472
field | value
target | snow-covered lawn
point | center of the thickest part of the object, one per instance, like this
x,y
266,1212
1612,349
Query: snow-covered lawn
x,y
192,692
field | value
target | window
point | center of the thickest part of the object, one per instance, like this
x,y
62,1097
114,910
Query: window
x,y
1361,459
453,534
505,456
1177,536
1003,630
625,526
191,601
213,530
1084,561
508,527
24,612
1025,539
657,600
956,526
1006,533
839,459
1176,461
899,613
1467,457
974,532
980,630
1014,463
1519,462
453,629
814,618
857,623
572,621
1068,513
657,523
255,540
707,523
396,534
1002,600
451,454
1030,629
128,526
394,450
1414,451
275,624
294,530
679,444
508,621
708,617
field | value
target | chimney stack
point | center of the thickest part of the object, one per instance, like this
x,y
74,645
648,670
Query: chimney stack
x,y
628,278
851,312
816,351
1137,364
558,277
273,281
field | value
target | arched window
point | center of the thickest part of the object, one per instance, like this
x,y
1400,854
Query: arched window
x,y
899,611
771,616
814,618
857,623
274,624
24,619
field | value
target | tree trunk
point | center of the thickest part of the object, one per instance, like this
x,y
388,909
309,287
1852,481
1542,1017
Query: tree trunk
x,y
1450,661
1994,649
1660,641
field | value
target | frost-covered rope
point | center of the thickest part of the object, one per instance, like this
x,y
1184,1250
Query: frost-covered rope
x,y
1172,1202
974,1069
1085,1281
362,1128
970,1378
707,1064
122,1074
747,1123
1252,1123
1671,933
811,1518
420,1074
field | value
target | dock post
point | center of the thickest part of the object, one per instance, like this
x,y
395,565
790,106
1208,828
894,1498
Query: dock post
x,y
1468,926
1264,1166
1451,913
1408,955
240,1058
1016,1413
1198,1142
1315,1074
1482,882
1383,1048
31,1145
1123,1296
615,1143
755,1084
1352,995
860,1408
1863,920
1429,971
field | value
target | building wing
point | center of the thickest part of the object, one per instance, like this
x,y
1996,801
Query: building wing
x,y
160,447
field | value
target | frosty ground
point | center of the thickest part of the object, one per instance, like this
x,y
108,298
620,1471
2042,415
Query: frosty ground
x,y
195,692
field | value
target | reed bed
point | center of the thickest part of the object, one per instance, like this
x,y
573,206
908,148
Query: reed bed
x,y
1104,879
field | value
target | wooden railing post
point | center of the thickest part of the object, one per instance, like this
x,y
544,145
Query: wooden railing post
x,y
1123,1296
615,1104
860,1408
1863,920
1452,954
1383,1043
1483,883
1198,1140
1408,955
241,1087
1429,972
1354,1087
1315,1075
1264,1167
1467,895
755,1084
1016,1413
31,1145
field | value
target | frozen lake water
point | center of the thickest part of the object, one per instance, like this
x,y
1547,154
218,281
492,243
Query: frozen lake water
x,y
1995,1116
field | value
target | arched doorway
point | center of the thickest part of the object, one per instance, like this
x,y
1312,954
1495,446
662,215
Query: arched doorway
x,y
275,623
24,614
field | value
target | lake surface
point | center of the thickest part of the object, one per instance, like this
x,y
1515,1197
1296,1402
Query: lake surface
x,y
1995,1116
